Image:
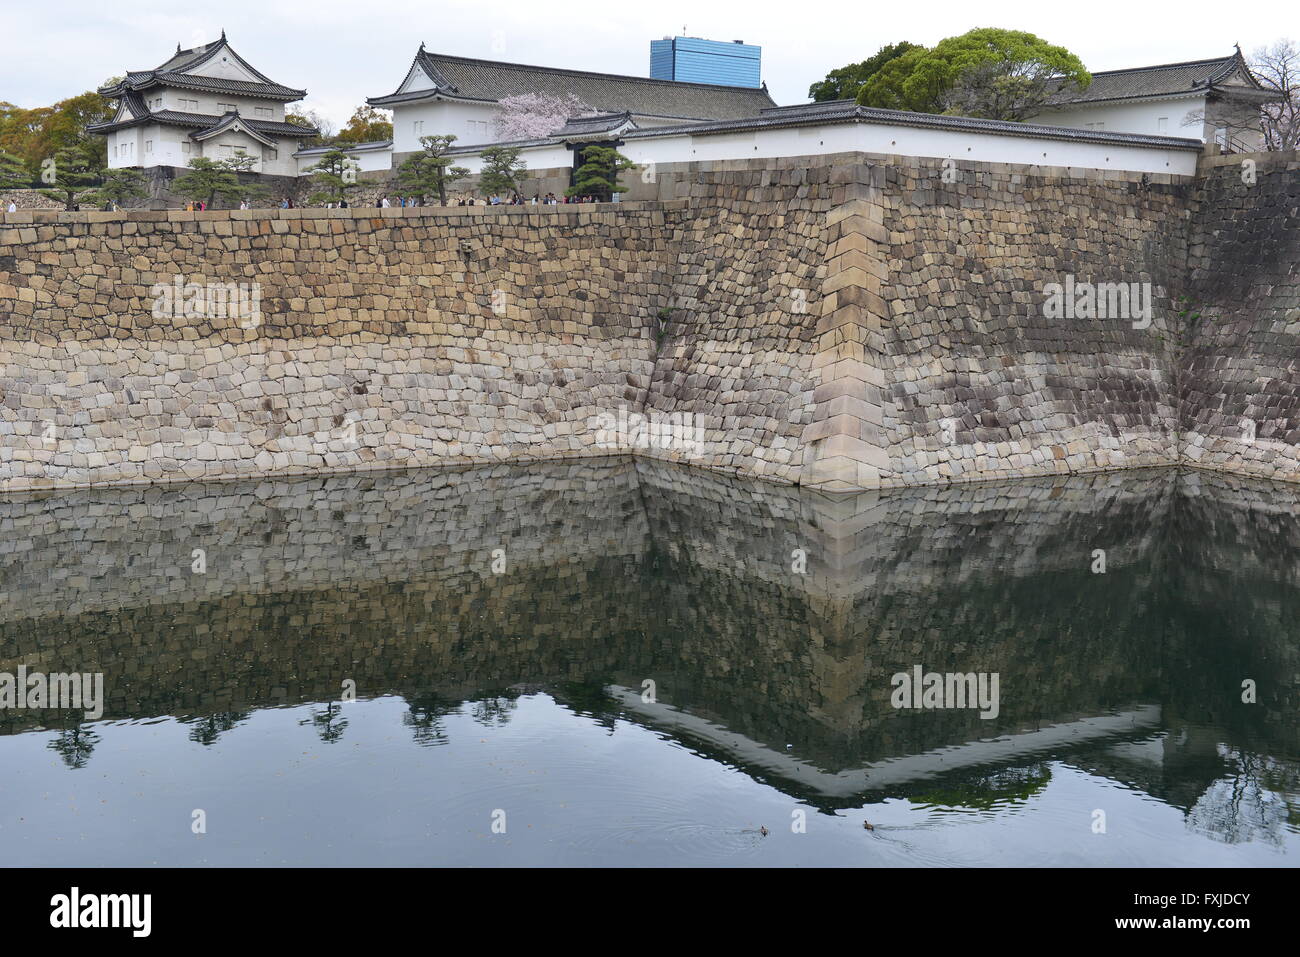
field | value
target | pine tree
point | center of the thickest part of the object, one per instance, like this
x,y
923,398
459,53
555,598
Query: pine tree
x,y
14,173
502,171
71,174
597,175
429,172
335,173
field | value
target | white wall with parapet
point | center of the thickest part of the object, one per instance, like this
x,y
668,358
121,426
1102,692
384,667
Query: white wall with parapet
x,y
957,145
1141,116
470,123
368,160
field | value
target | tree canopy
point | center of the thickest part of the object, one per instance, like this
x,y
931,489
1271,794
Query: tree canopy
x,y
367,125
311,119
597,175
37,134
13,172
844,83
987,72
333,174
71,174
502,170
1277,68
429,171
209,180
529,116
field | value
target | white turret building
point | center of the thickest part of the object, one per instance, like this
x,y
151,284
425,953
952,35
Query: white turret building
x,y
207,101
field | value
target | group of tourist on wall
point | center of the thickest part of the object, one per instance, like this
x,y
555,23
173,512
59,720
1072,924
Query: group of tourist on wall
x,y
384,202
550,199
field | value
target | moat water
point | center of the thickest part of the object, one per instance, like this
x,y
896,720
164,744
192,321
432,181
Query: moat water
x,y
623,663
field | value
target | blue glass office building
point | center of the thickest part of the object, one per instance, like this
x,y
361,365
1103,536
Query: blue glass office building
x,y
692,60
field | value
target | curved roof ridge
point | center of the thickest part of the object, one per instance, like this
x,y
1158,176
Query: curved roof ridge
x,y
1166,66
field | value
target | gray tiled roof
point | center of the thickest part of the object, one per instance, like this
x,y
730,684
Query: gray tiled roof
x,y
347,147
1170,79
580,126
198,121
172,73
472,79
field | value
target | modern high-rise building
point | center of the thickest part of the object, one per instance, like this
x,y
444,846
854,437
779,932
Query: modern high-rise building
x,y
692,60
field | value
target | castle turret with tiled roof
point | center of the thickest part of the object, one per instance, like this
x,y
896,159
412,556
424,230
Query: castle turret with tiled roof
x,y
205,101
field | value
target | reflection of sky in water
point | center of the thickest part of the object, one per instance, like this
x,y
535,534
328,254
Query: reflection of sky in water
x,y
275,791
522,693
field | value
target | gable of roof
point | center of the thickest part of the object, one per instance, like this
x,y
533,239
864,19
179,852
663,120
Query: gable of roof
x,y
599,126
175,72
1165,80
465,78
238,124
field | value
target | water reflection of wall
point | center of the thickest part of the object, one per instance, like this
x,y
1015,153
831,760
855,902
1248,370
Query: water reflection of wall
x,y
619,572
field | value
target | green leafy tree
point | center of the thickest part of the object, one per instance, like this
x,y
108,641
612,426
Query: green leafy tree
x,y
367,125
597,175
333,175
429,172
121,186
71,175
312,120
986,72
502,171
844,83
209,180
14,173
34,134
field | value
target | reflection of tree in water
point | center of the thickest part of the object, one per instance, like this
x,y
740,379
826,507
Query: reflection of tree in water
x,y
493,712
590,700
424,718
984,792
74,745
206,728
1258,803
328,724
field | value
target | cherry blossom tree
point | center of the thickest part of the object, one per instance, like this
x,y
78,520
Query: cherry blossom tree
x,y
531,116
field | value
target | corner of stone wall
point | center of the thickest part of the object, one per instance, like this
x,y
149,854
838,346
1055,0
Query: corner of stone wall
x,y
844,445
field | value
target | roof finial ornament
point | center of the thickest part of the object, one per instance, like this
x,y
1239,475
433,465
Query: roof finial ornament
x,y
421,46
223,33
178,46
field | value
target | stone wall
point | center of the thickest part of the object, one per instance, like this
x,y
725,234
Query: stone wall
x,y
1240,375
27,199
842,322
981,381
382,338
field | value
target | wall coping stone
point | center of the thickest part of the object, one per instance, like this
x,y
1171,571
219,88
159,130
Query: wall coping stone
x,y
43,216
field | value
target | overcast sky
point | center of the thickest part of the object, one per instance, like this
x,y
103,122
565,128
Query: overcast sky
x,y
341,51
